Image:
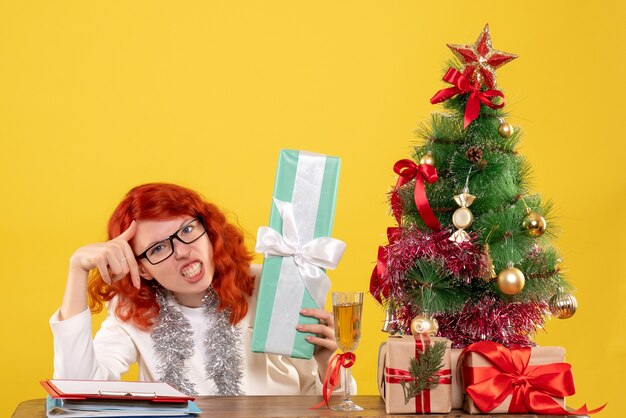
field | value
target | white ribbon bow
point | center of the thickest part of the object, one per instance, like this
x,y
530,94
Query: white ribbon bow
x,y
323,252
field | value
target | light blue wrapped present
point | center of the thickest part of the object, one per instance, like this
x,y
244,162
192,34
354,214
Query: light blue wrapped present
x,y
298,249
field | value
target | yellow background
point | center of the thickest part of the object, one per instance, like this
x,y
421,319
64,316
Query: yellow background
x,y
96,97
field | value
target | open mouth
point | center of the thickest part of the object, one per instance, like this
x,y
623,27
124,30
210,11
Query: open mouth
x,y
192,270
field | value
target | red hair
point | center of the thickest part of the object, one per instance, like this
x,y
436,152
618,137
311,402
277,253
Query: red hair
x,y
232,280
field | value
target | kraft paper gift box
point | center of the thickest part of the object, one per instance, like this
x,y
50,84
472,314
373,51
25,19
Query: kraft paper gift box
x,y
298,249
457,383
472,360
382,358
393,366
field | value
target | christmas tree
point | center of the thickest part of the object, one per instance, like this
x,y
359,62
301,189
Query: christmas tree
x,y
471,258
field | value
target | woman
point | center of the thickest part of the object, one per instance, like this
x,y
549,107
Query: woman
x,y
181,295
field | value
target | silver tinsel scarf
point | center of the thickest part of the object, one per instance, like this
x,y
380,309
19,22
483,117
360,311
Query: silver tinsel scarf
x,y
174,344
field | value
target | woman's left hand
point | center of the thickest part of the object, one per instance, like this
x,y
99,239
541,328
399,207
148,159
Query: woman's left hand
x,y
324,337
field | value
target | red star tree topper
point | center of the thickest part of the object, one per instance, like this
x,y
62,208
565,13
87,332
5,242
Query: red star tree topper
x,y
481,60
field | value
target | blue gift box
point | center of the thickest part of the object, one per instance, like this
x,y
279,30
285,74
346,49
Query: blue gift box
x,y
298,237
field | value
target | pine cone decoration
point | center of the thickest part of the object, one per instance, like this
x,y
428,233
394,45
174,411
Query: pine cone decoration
x,y
474,155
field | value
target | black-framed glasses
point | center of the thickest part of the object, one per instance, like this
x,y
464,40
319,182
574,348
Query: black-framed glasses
x,y
162,250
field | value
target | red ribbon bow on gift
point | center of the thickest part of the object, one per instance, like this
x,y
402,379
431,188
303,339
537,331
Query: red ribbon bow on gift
x,y
379,281
531,387
408,170
332,379
462,84
422,400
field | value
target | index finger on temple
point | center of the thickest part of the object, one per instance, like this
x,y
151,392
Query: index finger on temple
x,y
129,233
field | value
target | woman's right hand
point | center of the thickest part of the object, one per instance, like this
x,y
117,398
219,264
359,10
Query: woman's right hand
x,y
114,259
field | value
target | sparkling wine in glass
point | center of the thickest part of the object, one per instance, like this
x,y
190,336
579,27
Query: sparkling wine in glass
x,y
347,309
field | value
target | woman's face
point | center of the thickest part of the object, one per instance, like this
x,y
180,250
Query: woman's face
x,y
188,272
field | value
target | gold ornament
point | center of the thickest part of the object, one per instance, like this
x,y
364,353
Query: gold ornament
x,y
505,130
534,224
511,281
563,305
462,218
424,325
428,159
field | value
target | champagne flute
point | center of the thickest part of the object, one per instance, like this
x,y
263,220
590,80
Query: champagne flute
x,y
347,309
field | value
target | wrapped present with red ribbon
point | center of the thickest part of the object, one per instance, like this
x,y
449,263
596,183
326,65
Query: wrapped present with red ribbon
x,y
517,380
394,377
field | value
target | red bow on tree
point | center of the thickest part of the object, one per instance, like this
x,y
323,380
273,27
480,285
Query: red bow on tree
x,y
408,170
379,282
532,388
462,84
